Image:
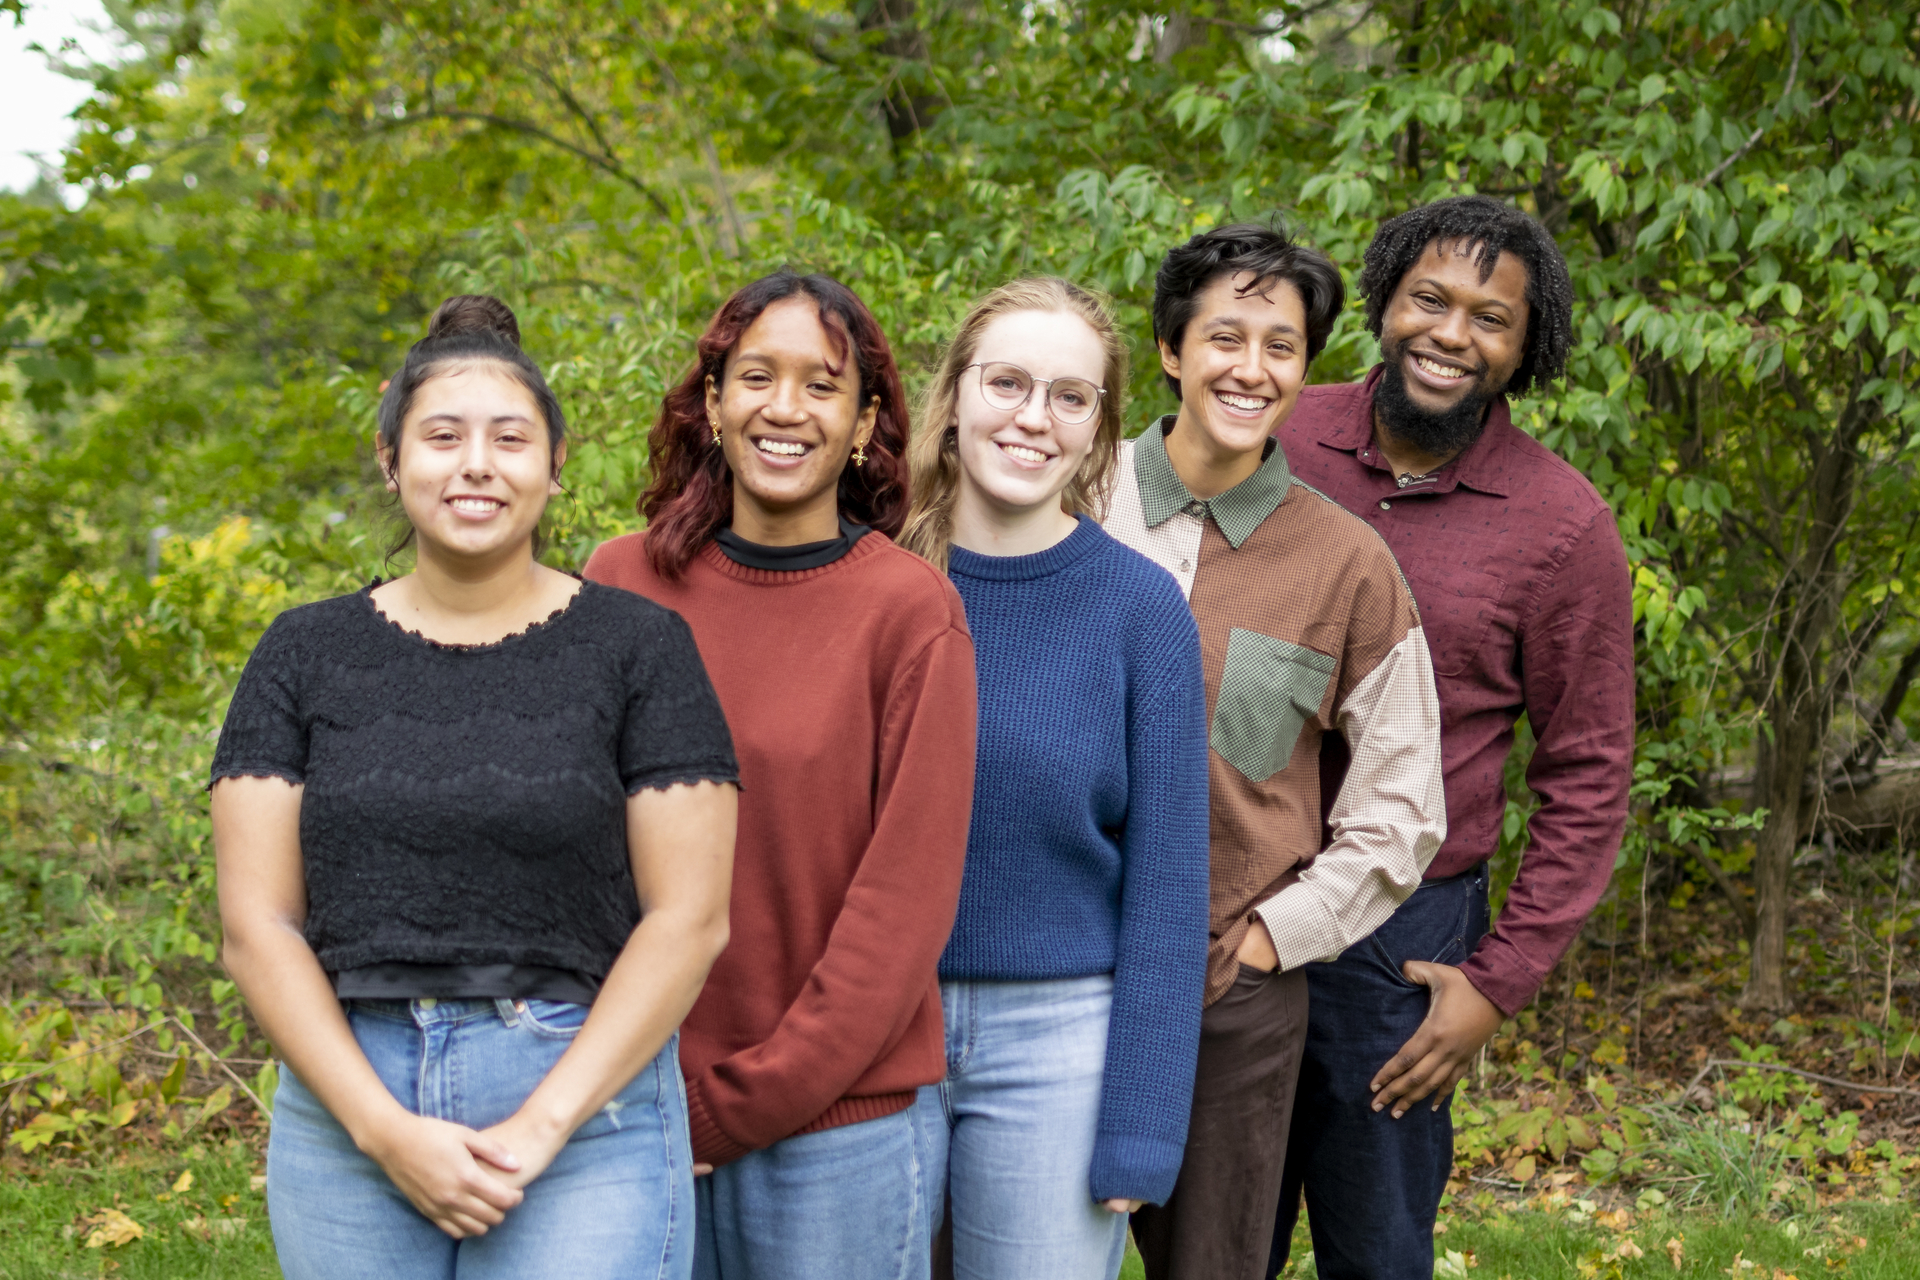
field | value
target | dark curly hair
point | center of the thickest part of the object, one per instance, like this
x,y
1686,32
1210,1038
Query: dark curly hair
x,y
691,496
1267,253
1487,228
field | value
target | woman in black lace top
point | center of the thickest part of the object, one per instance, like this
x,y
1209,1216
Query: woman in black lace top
x,y
475,835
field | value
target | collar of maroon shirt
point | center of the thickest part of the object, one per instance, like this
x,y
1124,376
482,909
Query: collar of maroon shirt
x,y
1486,465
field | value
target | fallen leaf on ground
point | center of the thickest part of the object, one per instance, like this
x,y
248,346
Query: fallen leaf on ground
x,y
220,1228
184,1183
1628,1249
1676,1251
112,1227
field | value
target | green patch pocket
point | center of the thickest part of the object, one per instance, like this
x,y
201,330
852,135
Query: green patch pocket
x,y
1268,688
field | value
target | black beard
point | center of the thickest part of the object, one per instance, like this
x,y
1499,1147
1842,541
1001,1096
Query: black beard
x,y
1438,435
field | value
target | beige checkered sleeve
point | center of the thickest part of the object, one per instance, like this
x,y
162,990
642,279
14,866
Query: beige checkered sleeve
x,y
1388,822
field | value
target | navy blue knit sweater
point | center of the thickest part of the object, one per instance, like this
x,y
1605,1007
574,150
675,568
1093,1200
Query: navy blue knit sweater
x,y
1088,849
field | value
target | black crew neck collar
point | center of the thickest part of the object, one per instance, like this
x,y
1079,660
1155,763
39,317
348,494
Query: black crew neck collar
x,y
805,555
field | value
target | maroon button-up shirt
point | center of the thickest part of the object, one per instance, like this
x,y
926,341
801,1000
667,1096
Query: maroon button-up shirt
x,y
1523,588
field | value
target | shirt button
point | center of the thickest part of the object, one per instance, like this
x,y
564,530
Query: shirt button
x,y
1386,506
1196,509
1186,566
428,1002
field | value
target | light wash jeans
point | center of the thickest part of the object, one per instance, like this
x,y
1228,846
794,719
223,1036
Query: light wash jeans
x,y
616,1203
841,1204
1009,1134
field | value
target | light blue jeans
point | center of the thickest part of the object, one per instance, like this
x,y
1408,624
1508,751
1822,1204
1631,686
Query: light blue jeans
x,y
841,1204
616,1203
1009,1134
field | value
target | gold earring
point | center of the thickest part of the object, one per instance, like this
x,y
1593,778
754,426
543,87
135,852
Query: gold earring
x,y
715,424
859,455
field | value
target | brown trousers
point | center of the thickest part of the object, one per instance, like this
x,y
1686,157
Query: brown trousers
x,y
1218,1224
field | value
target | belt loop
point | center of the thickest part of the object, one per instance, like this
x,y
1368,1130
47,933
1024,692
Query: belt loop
x,y
509,1014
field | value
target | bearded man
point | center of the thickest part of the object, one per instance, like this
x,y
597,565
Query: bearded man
x,y
1517,567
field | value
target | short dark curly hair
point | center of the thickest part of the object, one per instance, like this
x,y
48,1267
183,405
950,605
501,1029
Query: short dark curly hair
x,y
1489,228
1268,253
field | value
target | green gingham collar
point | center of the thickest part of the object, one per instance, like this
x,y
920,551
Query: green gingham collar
x,y
1237,512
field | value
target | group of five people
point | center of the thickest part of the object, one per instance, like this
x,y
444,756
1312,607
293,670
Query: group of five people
x,y
938,853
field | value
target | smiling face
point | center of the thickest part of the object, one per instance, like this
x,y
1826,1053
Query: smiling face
x,y
1449,335
474,467
1241,363
1020,460
788,422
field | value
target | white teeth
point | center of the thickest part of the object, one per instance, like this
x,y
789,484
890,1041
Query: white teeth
x,y
480,506
1250,403
1023,453
1439,370
781,448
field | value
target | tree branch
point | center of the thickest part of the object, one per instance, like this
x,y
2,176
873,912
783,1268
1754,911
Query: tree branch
x,y
609,167
1837,1083
1793,73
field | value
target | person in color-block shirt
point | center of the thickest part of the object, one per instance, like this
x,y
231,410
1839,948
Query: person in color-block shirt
x,y
846,671
1307,632
1522,581
1072,981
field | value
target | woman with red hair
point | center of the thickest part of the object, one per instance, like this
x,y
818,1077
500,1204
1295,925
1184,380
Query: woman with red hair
x,y
846,672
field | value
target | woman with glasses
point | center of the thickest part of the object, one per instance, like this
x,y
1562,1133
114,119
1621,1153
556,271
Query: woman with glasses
x,y
843,663
1071,985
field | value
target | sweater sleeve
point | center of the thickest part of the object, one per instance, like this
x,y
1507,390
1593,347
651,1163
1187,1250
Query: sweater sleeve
x,y
1576,660
881,956
1160,960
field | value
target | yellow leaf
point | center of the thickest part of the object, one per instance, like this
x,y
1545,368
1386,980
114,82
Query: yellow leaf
x,y
184,1182
1676,1251
114,1228
1523,1171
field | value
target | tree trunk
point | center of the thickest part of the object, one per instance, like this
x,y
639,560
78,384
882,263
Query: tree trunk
x,y
1777,785
1174,37
1799,703
906,113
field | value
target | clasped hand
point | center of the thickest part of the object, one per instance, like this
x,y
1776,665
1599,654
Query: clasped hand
x,y
1459,1022
463,1180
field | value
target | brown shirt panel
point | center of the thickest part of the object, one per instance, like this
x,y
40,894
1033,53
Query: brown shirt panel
x,y
1312,575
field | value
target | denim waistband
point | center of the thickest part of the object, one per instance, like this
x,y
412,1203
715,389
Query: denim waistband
x,y
1477,869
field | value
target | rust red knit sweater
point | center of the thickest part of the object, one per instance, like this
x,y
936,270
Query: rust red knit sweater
x,y
849,690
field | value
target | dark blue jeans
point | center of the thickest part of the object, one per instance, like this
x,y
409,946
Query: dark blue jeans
x,y
1373,1183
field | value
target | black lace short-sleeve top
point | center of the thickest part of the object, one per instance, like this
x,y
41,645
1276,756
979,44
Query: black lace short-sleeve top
x,y
466,805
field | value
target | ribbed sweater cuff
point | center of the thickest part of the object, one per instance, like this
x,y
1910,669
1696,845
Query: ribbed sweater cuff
x,y
710,1144
848,1111
1134,1167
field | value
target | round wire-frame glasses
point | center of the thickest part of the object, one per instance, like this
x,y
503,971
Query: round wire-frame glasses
x,y
1071,401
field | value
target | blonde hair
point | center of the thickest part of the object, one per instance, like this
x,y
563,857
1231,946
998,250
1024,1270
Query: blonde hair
x,y
934,455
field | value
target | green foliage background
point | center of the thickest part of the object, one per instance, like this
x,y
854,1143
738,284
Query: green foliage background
x,y
278,193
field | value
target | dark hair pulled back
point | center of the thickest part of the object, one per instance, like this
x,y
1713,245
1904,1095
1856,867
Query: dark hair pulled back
x,y
464,329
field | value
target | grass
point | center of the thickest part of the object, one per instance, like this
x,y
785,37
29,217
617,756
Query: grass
x,y
1860,1242
48,1210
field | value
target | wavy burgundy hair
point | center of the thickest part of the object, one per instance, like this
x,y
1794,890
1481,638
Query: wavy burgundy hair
x,y
691,496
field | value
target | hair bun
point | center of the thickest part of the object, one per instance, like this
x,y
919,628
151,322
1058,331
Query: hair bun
x,y
470,313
